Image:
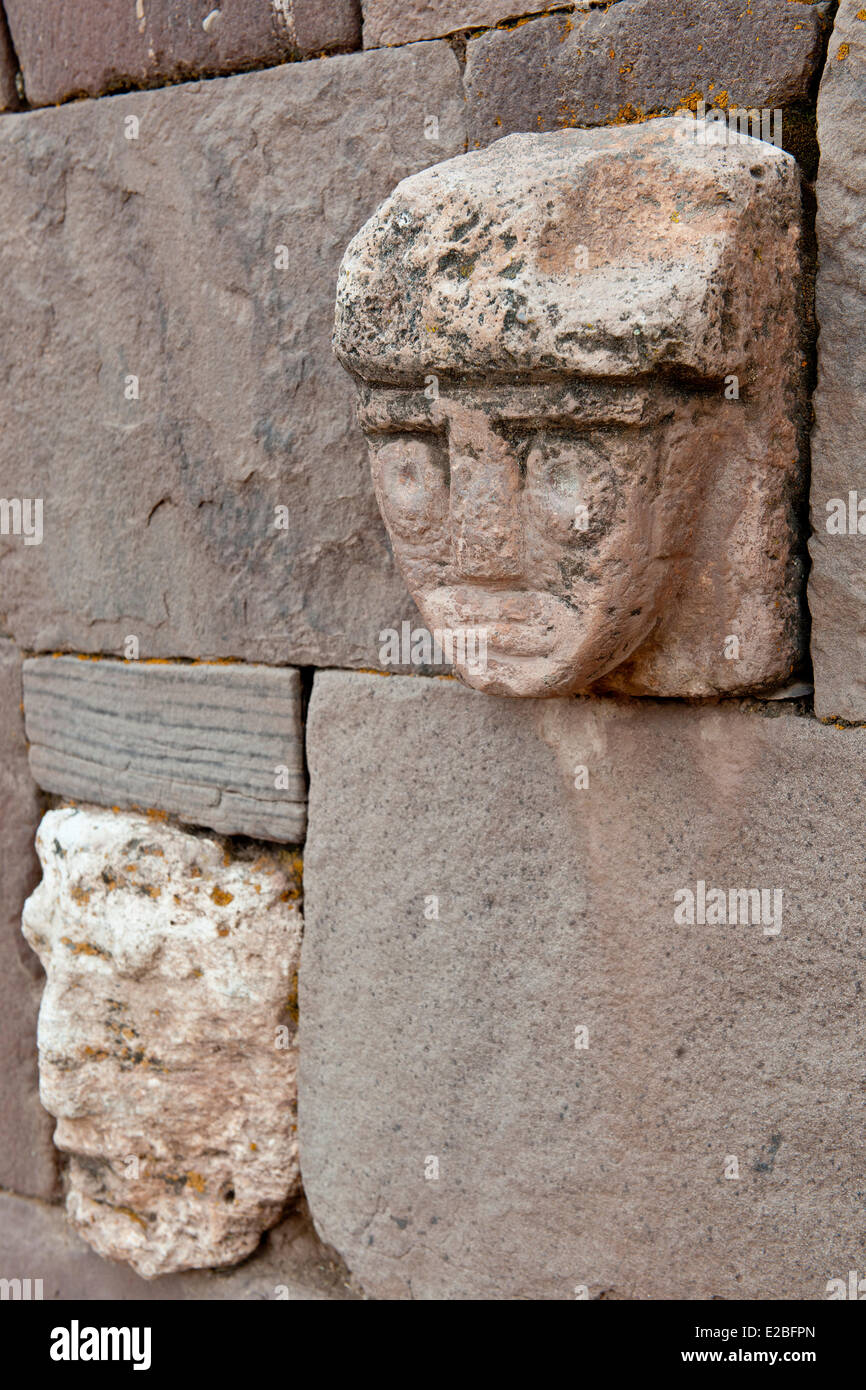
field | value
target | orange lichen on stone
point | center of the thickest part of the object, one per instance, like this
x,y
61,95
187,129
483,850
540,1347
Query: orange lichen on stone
x,y
842,51
221,897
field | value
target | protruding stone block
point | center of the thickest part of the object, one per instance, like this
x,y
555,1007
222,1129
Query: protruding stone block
x,y
166,1034
96,46
524,1072
639,58
581,378
217,745
837,581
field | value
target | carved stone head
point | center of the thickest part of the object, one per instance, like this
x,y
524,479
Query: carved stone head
x,y
579,375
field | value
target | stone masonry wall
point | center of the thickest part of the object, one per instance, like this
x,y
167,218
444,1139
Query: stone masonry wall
x,y
429,936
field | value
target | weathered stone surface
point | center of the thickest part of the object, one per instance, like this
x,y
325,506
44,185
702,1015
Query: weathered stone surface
x,y
837,582
454,1036
610,321
166,1034
97,46
291,1263
157,258
639,58
9,100
216,745
27,1158
404,21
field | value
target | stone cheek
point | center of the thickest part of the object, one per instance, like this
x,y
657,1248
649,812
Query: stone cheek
x,y
166,1034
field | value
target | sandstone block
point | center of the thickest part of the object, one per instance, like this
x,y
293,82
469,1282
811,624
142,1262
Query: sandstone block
x,y
220,746
586,452
97,46
227,511
837,581
639,58
27,1158
521,1075
166,1034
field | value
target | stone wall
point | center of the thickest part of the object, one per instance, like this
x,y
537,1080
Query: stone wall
x,y
518,1054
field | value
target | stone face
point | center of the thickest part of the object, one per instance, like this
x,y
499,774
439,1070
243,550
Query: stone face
x,y
473,902
639,58
166,1034
228,511
220,746
404,21
609,320
27,1158
291,1263
90,48
837,582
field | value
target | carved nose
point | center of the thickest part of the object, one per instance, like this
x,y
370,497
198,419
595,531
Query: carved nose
x,y
485,532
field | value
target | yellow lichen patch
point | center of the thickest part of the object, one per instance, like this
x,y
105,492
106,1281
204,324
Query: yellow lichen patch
x,y
861,14
79,895
151,890
842,51
83,948
253,1147
95,1054
153,814
221,897
222,931
195,1181
133,1216
227,859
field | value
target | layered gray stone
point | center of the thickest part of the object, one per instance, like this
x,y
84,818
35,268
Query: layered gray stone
x,y
166,1034
97,46
837,582
227,511
36,1242
27,1158
639,58
493,977
217,745
404,21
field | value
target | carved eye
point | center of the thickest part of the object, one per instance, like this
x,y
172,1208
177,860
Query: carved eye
x,y
411,476
568,482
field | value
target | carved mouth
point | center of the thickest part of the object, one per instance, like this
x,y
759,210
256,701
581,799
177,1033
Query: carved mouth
x,y
516,623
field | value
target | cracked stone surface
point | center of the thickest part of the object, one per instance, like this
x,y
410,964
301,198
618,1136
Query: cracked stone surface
x,y
472,900
97,46
217,745
166,1034
228,510
606,479
404,21
837,580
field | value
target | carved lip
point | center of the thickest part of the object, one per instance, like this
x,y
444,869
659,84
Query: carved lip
x,y
516,622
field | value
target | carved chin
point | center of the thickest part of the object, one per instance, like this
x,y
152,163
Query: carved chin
x,y
528,643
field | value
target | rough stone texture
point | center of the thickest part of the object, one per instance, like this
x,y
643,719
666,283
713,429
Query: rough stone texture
x,y
837,582
9,99
170,962
291,1263
454,1038
27,1158
404,21
639,58
220,746
156,258
582,505
96,46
